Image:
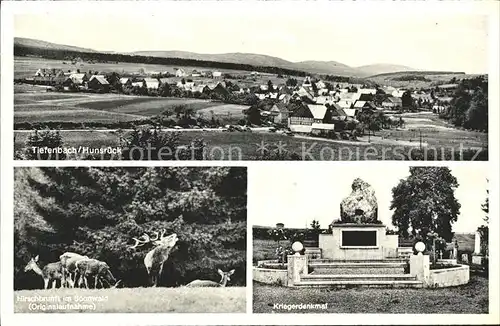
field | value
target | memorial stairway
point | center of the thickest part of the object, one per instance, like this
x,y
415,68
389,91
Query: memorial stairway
x,y
381,273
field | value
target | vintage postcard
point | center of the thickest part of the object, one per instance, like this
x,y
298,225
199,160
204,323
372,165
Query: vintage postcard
x,y
251,84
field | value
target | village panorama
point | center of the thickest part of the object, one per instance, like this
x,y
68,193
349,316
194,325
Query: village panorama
x,y
75,103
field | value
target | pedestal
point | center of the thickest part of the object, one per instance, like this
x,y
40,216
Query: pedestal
x,y
357,242
420,267
297,266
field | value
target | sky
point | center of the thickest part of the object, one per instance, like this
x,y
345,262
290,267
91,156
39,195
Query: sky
x,y
296,194
433,40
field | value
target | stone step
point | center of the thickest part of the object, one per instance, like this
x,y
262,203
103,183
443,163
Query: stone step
x,y
387,260
358,277
360,264
361,283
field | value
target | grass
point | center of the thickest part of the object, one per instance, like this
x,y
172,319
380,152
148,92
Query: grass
x,y
435,132
244,145
41,106
471,298
264,249
144,300
60,114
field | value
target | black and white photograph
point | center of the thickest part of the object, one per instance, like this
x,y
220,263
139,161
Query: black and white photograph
x,y
393,239
267,82
119,239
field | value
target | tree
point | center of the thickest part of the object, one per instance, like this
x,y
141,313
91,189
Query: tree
x,y
425,202
476,116
45,145
483,229
407,100
291,82
270,86
164,90
96,211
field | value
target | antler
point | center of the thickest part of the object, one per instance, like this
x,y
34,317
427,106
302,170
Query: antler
x,y
145,238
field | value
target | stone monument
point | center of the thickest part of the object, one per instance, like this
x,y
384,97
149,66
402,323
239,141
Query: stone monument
x,y
358,234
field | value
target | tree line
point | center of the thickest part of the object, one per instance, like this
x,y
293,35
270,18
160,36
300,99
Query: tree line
x,y
59,54
97,212
469,105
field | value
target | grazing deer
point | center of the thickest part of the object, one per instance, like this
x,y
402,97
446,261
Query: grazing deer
x,y
157,256
68,262
50,273
225,277
97,269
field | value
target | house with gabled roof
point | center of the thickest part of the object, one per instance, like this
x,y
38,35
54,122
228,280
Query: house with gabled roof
x,y
279,112
392,103
98,83
79,78
125,81
179,72
151,83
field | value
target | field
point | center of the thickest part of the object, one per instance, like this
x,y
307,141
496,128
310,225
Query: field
x,y
36,105
144,300
391,79
471,298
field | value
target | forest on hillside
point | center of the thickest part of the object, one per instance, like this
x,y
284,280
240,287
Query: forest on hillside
x,y
96,211
65,55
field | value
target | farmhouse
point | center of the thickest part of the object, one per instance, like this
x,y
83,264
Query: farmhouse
x,y
371,91
124,81
79,79
280,113
323,100
392,103
302,92
151,83
216,74
364,105
309,117
179,72
98,83
285,98
218,89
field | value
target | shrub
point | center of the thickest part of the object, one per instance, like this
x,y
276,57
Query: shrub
x,y
40,143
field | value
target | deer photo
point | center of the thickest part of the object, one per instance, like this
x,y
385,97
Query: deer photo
x,y
52,272
70,272
225,277
98,270
157,256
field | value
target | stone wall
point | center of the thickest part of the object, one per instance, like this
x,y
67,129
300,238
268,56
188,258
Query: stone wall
x,y
270,276
454,276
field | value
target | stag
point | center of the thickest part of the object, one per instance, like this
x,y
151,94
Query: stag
x,y
225,277
157,256
68,262
97,269
50,273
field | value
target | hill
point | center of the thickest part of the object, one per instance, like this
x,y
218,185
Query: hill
x,y
379,68
249,59
28,42
243,58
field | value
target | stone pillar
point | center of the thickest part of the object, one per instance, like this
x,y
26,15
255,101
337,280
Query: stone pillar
x,y
297,266
420,267
477,244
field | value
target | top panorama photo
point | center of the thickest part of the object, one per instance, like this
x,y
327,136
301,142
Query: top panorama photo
x,y
246,87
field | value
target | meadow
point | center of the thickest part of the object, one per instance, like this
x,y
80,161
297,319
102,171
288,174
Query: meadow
x,y
38,105
432,79
471,298
143,300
